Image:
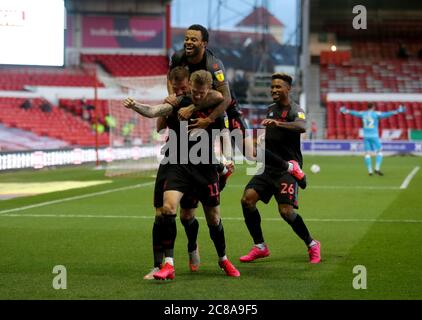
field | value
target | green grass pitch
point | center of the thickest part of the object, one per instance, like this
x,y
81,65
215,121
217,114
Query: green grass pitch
x,y
102,235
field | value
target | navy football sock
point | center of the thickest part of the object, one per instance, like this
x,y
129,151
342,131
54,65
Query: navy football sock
x,y
169,232
157,246
191,228
253,222
299,227
217,236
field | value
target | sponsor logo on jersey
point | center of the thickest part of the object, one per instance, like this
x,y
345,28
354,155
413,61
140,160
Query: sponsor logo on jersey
x,y
301,115
284,114
219,75
215,66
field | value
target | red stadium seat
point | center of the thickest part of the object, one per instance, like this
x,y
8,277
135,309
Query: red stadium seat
x,y
18,77
58,124
130,65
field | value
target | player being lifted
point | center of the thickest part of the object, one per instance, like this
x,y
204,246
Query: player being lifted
x,y
199,180
196,56
283,126
179,81
371,140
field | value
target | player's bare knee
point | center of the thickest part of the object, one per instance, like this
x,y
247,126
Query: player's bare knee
x,y
212,216
286,212
168,210
187,214
248,202
213,221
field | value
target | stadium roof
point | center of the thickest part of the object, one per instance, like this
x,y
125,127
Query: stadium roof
x,y
260,17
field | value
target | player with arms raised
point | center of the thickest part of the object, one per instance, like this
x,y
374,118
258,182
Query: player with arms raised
x,y
371,140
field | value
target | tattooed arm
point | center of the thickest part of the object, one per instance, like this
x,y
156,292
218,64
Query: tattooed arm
x,y
160,110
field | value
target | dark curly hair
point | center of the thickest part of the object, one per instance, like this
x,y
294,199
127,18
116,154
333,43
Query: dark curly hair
x,y
202,29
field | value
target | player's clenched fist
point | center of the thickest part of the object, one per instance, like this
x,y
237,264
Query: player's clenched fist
x,y
129,103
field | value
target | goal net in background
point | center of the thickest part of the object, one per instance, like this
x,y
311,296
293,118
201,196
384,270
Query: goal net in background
x,y
135,137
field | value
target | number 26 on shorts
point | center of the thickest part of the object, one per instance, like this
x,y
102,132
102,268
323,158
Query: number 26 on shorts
x,y
287,188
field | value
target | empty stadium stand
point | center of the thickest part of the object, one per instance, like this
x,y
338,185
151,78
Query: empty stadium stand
x,y
380,76
70,123
58,123
16,78
143,126
384,72
129,65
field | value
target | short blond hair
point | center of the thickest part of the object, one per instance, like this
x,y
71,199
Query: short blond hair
x,y
201,77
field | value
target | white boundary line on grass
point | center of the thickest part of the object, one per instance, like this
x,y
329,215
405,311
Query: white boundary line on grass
x,y
404,185
93,216
42,204
409,177
334,187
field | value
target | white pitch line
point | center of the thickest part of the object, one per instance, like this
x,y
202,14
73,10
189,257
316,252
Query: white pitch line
x,y
334,187
42,204
355,187
409,177
92,216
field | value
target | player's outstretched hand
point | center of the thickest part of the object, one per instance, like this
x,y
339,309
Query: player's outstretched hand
x,y
199,123
402,109
129,103
343,110
269,123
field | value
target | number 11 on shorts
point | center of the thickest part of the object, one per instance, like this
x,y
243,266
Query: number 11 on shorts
x,y
213,189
